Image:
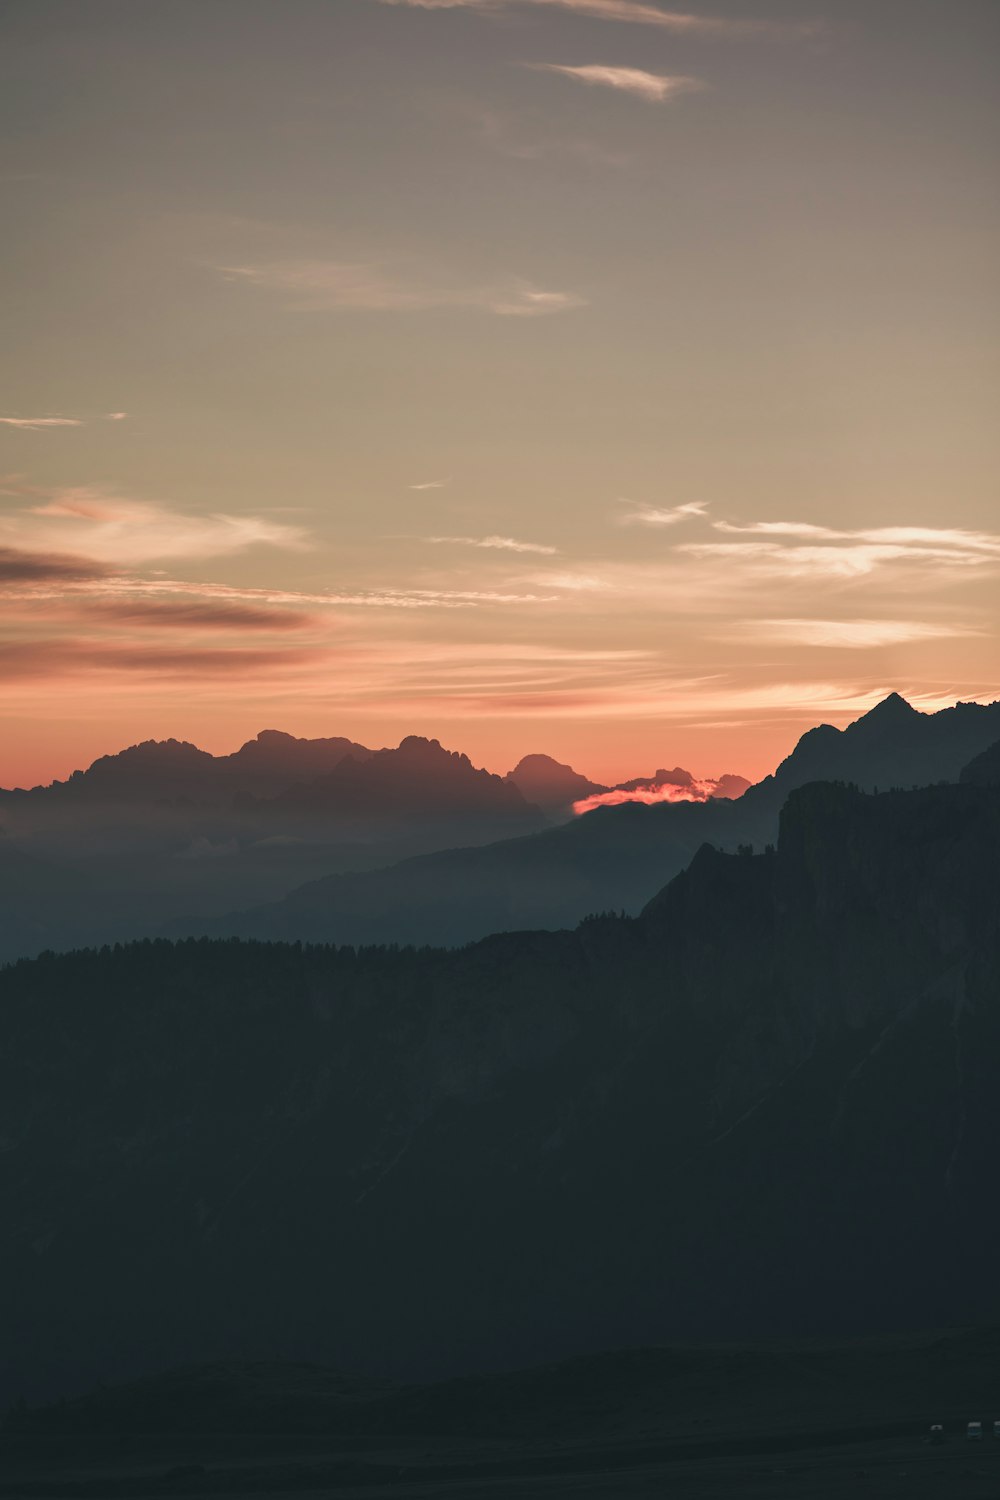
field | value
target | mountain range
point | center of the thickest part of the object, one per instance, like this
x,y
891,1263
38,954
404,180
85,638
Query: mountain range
x,y
164,832
614,858
765,1106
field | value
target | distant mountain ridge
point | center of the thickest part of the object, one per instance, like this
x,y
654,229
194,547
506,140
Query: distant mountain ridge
x,y
616,857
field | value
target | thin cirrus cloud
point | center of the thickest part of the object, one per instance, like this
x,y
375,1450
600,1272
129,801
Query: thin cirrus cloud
x,y
39,424
113,529
493,543
655,88
430,484
341,286
797,549
849,634
656,516
636,12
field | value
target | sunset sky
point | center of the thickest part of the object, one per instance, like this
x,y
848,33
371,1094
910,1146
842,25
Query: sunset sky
x,y
577,376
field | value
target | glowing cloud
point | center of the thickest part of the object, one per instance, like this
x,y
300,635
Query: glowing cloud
x,y
694,790
636,12
650,515
655,88
113,529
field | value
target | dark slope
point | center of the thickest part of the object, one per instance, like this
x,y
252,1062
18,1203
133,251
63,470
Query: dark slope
x,y
614,858
610,859
767,1106
984,770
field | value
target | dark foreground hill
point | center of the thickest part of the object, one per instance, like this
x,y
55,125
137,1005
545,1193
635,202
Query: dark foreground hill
x,y
766,1107
613,859
797,1420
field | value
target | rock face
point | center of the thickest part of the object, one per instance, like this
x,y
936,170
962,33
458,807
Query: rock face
x,y
766,1106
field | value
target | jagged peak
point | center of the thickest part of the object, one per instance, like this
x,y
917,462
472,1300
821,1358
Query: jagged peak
x,y
893,709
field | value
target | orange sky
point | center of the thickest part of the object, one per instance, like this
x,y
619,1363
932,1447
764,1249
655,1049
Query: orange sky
x,y
599,381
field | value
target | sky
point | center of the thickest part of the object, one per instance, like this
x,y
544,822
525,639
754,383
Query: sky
x,y
571,376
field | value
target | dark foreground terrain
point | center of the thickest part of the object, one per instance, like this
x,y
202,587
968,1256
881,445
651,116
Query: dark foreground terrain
x,y
795,1420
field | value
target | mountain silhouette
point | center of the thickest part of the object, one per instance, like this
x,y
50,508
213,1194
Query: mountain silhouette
x,y
765,1106
550,785
612,859
418,777
164,771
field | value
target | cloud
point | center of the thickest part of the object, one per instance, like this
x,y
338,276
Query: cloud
x,y
650,515
334,286
573,582
430,484
496,543
655,792
656,88
795,549
115,416
33,660
113,529
18,566
853,634
37,424
146,613
635,12
123,586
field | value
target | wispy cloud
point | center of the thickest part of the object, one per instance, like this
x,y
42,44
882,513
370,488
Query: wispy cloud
x,y
115,416
114,529
330,286
651,515
38,424
655,88
99,585
636,12
493,543
152,614
850,634
18,566
67,658
581,583
797,549
430,484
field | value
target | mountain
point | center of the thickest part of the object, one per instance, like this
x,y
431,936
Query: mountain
x,y
890,746
419,778
550,785
166,771
614,858
164,830
767,1106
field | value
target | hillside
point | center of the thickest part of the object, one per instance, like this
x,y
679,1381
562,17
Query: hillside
x,y
766,1106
